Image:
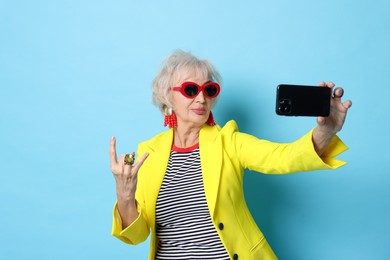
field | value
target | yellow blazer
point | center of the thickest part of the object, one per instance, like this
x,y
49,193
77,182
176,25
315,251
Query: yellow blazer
x,y
224,153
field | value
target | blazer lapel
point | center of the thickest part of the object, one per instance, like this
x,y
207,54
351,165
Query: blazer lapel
x,y
210,145
157,161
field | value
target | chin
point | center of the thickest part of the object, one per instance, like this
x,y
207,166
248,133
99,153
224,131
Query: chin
x,y
199,122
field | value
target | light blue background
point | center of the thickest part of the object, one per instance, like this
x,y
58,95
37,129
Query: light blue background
x,y
74,73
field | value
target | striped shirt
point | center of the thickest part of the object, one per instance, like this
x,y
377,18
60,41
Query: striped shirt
x,y
183,222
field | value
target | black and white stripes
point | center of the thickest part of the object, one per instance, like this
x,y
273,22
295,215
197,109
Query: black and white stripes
x,y
184,226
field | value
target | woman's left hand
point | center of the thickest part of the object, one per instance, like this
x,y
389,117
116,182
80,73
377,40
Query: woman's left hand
x,y
329,126
338,111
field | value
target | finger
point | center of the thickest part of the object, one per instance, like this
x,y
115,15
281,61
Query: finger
x,y
347,104
122,160
140,162
330,84
113,156
322,84
127,169
338,92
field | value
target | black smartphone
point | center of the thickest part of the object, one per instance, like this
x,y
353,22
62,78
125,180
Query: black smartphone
x,y
301,100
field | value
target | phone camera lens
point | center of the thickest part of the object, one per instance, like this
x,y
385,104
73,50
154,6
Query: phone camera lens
x,y
285,106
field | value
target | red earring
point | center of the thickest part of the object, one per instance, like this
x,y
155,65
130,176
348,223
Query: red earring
x,y
210,120
170,119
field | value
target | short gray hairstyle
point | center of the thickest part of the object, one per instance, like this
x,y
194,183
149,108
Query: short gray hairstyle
x,y
175,68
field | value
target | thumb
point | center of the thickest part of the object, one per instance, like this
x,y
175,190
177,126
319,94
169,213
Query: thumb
x,y
321,120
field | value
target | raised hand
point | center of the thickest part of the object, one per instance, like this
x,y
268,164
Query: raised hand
x,y
126,183
338,110
329,126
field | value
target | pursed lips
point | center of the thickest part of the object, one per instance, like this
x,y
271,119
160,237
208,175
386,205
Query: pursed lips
x,y
199,111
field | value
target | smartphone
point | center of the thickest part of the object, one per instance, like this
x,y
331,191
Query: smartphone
x,y
301,100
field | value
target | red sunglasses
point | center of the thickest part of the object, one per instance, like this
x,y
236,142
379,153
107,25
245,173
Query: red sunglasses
x,y
191,90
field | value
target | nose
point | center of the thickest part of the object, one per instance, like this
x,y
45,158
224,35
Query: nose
x,y
200,97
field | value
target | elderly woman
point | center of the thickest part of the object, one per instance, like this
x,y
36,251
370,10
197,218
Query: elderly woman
x,y
187,185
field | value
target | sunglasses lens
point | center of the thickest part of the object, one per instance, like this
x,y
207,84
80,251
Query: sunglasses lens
x,y
210,91
191,90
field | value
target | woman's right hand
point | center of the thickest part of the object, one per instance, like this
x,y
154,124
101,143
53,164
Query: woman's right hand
x,y
126,183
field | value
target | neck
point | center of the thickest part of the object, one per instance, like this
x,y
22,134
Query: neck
x,y
186,137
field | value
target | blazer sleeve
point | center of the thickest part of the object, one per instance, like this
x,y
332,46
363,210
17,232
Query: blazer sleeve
x,y
135,233
139,230
279,158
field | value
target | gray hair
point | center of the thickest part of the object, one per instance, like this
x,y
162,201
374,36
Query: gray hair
x,y
178,66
